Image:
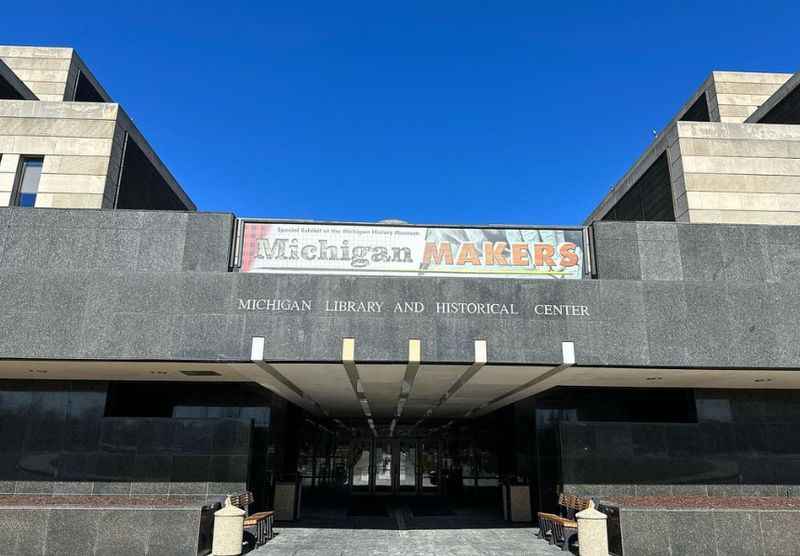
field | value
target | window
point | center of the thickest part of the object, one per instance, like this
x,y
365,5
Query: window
x,y
8,91
85,91
27,186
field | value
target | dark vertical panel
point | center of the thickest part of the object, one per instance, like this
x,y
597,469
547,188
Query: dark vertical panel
x,y
85,91
142,186
698,112
7,91
650,198
787,111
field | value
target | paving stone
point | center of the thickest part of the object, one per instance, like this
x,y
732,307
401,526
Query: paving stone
x,y
459,535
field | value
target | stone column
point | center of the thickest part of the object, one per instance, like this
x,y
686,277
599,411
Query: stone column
x,y
592,531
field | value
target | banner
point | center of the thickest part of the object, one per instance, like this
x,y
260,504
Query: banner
x,y
412,251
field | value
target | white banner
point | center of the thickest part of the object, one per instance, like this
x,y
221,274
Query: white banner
x,y
411,250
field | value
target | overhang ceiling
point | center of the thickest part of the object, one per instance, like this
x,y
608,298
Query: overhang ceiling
x,y
434,392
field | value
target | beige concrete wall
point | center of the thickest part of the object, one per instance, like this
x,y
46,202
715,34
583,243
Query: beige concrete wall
x,y
75,140
50,73
734,96
82,143
738,173
44,70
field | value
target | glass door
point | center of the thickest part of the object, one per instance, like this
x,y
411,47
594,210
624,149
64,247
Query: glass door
x,y
406,465
430,471
394,465
361,465
383,465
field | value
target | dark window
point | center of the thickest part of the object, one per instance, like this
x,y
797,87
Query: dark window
x,y
27,185
698,112
85,91
189,400
141,186
787,111
650,198
628,405
8,92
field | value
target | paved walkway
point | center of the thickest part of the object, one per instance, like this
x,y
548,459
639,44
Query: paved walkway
x,y
400,533
435,542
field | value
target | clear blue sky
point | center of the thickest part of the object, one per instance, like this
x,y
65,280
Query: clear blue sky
x,y
431,111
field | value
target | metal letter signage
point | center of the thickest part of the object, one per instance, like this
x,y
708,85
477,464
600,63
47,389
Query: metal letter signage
x,y
411,250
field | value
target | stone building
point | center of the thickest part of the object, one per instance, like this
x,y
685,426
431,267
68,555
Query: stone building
x,y
167,353
77,146
731,155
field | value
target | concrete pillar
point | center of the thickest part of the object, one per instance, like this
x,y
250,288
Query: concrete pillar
x,y
592,531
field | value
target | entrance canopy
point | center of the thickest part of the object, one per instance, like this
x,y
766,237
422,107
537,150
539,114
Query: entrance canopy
x,y
410,394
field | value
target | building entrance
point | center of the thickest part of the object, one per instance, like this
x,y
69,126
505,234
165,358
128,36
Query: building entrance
x,y
396,466
431,468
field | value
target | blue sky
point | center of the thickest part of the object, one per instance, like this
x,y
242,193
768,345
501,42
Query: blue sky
x,y
431,111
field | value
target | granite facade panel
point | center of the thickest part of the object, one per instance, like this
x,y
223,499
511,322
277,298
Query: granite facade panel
x,y
618,259
645,533
707,531
120,240
153,285
197,316
107,531
689,533
123,533
71,532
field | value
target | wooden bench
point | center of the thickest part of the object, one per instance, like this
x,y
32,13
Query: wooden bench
x,y
557,530
562,530
572,504
262,521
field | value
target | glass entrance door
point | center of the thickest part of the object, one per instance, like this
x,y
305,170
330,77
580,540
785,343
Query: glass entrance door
x,y
361,465
407,474
384,465
396,466
431,479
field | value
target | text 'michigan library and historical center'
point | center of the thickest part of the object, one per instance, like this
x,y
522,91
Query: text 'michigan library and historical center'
x,y
152,352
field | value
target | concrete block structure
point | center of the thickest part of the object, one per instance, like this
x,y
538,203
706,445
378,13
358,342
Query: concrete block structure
x,y
731,155
82,149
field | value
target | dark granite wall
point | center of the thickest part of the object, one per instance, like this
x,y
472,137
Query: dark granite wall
x,y
122,241
691,532
155,286
54,439
718,253
101,532
197,316
743,443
